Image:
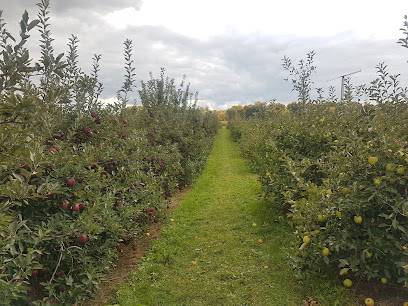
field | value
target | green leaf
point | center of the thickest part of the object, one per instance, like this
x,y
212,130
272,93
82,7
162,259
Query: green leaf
x,y
46,61
23,27
69,280
302,246
21,247
344,271
343,263
32,156
25,57
42,233
9,50
59,73
59,57
402,229
32,24
24,172
19,177
25,17
10,36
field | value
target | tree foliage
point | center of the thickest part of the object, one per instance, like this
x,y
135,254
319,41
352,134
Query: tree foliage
x,y
301,76
80,180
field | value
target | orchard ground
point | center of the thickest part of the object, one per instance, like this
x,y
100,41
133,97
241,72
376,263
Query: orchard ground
x,y
224,245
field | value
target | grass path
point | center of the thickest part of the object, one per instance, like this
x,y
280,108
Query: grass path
x,y
209,254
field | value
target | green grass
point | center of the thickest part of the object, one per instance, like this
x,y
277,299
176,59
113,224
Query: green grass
x,y
213,226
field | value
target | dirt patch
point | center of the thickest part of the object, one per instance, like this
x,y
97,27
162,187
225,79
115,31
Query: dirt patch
x,y
383,295
129,258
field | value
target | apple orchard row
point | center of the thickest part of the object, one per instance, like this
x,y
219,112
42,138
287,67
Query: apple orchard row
x,y
339,171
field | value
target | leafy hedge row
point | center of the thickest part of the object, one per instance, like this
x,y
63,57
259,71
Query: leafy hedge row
x,y
106,181
340,170
79,179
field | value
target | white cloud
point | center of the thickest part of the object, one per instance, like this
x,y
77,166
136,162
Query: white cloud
x,y
205,19
110,100
211,105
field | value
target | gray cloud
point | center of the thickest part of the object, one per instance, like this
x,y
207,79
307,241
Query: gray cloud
x,y
226,70
62,7
104,6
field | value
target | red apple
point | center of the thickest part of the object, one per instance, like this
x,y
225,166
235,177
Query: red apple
x,y
34,273
75,207
30,291
125,122
82,238
82,206
52,150
119,248
89,134
94,114
97,121
96,131
70,182
60,273
64,205
85,130
39,256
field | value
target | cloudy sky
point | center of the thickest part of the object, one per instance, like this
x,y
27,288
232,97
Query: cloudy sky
x,y
231,51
